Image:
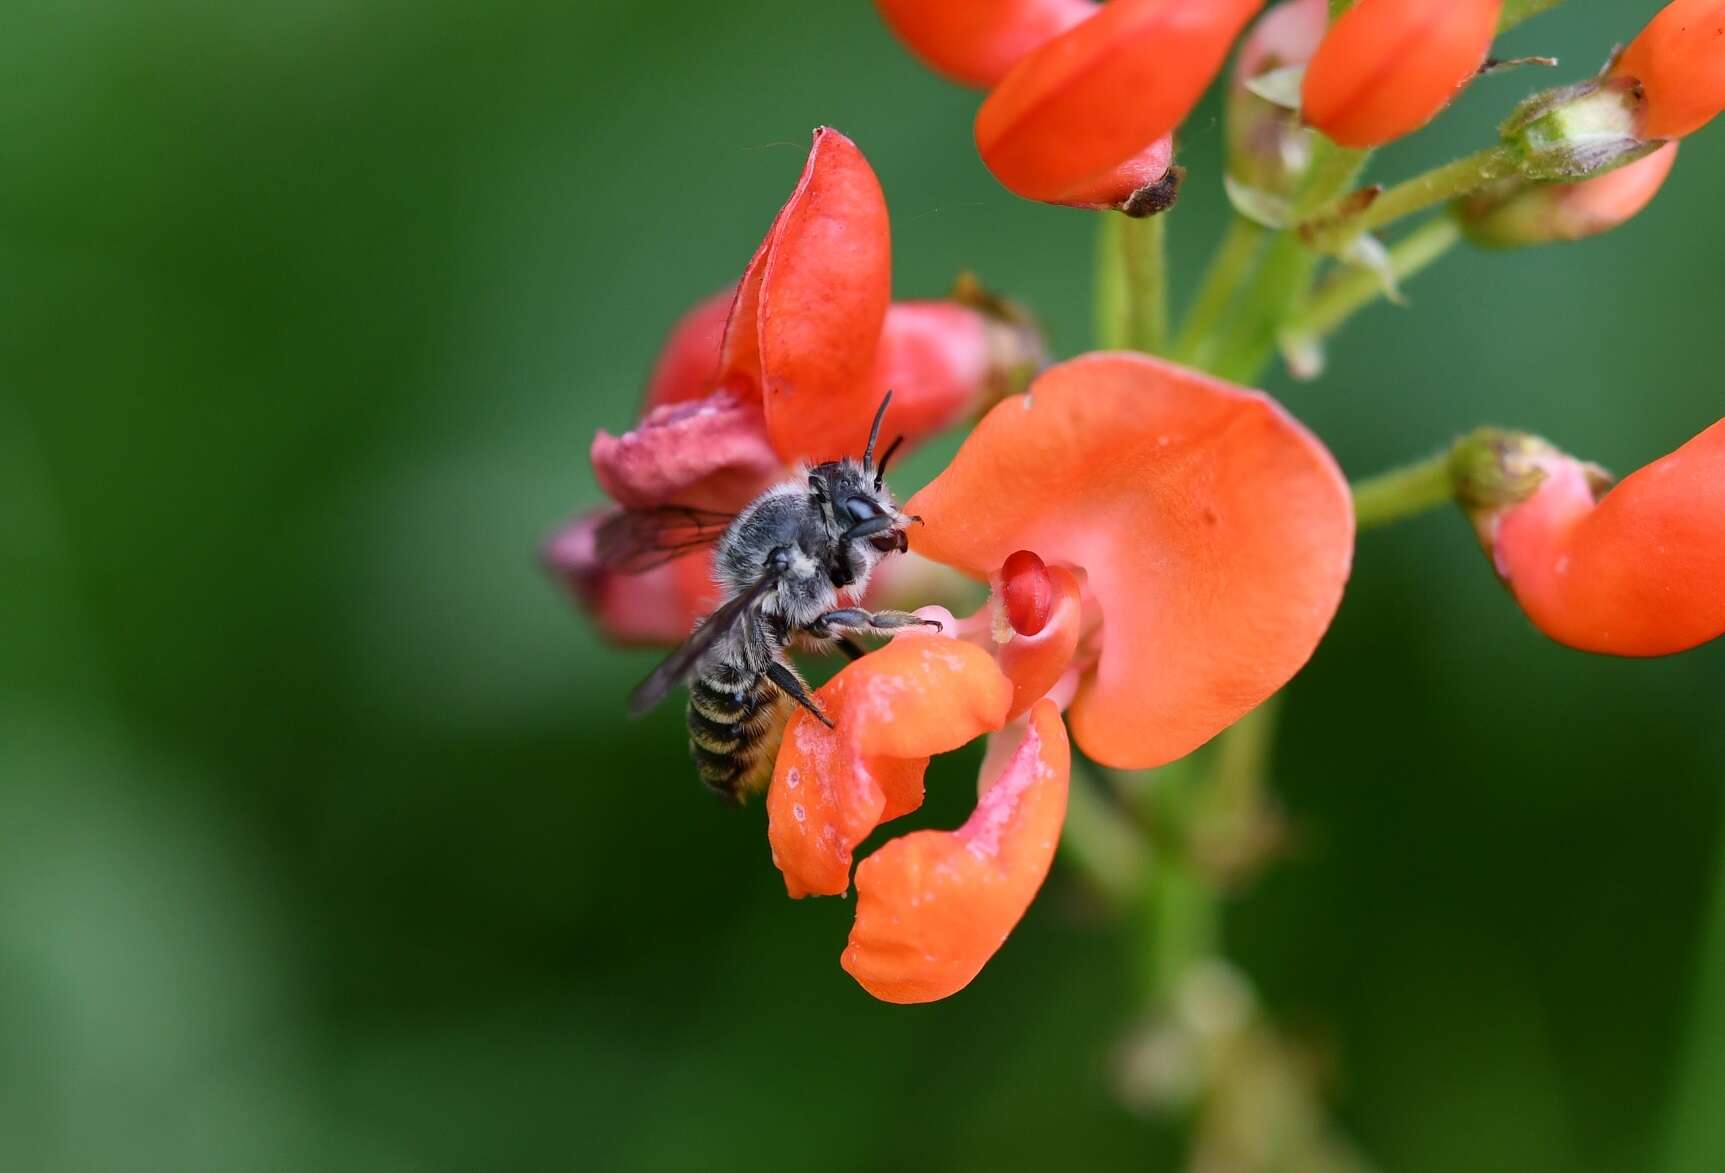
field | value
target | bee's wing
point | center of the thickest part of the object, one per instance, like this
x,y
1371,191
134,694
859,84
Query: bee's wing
x,y
681,662
635,540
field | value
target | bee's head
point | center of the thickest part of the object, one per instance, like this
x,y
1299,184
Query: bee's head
x,y
857,506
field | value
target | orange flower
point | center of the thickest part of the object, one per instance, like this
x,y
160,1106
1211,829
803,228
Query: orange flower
x,y
1679,59
974,44
1517,213
789,366
1387,67
1215,535
1637,572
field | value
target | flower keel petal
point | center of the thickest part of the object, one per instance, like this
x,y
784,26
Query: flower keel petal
x,y
934,906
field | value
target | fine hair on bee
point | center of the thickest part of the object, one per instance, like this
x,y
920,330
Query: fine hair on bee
x,y
790,567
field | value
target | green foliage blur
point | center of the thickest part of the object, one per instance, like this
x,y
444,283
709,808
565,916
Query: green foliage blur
x,y
323,841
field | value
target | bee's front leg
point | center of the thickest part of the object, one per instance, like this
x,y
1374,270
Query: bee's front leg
x,y
857,619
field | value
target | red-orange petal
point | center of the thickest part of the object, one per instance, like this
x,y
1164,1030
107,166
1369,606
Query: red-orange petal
x,y
711,452
892,710
688,362
1388,67
934,906
1640,573
659,606
1679,58
1035,661
1548,212
1215,531
1102,92
974,43
807,319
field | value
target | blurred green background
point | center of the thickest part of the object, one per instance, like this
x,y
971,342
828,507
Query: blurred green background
x,y
323,844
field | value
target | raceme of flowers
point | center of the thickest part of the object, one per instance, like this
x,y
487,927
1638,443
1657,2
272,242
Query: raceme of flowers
x,y
1161,549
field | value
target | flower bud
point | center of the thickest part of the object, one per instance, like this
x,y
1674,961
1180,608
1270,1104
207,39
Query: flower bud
x,y
1388,67
1576,131
1678,61
1632,569
1269,149
1513,212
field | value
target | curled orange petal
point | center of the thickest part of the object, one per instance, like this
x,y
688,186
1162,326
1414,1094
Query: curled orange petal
x,y
1640,573
808,314
892,710
1387,67
1102,92
1215,532
1679,59
934,906
973,43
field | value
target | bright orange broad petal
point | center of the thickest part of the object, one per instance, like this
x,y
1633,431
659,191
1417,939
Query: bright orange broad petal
x,y
1102,92
808,315
934,906
1387,67
974,42
1216,533
1679,58
1641,573
892,710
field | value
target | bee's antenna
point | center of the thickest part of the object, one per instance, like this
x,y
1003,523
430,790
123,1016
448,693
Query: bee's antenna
x,y
874,429
880,469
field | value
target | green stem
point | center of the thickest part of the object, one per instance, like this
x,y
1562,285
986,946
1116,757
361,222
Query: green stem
x,y
1404,492
1100,840
1228,271
1350,288
1145,242
1113,323
1331,232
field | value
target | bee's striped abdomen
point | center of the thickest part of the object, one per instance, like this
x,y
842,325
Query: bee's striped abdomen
x,y
734,727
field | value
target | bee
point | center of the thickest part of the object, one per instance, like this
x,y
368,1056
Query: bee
x,y
791,566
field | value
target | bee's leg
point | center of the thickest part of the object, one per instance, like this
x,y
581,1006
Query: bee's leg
x,y
850,647
792,686
858,619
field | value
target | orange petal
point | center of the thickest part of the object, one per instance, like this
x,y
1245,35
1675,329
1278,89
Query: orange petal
x,y
1642,573
1045,608
1546,212
1387,67
972,43
1102,92
1679,58
659,606
689,361
807,320
934,906
892,710
1215,531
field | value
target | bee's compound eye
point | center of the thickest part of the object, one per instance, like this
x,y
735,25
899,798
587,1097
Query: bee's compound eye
x,y
861,508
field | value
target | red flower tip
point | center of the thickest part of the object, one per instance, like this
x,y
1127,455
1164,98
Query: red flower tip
x,y
1679,59
1215,533
710,452
1637,572
892,710
1516,213
1094,98
1028,591
1388,67
934,906
972,43
657,607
